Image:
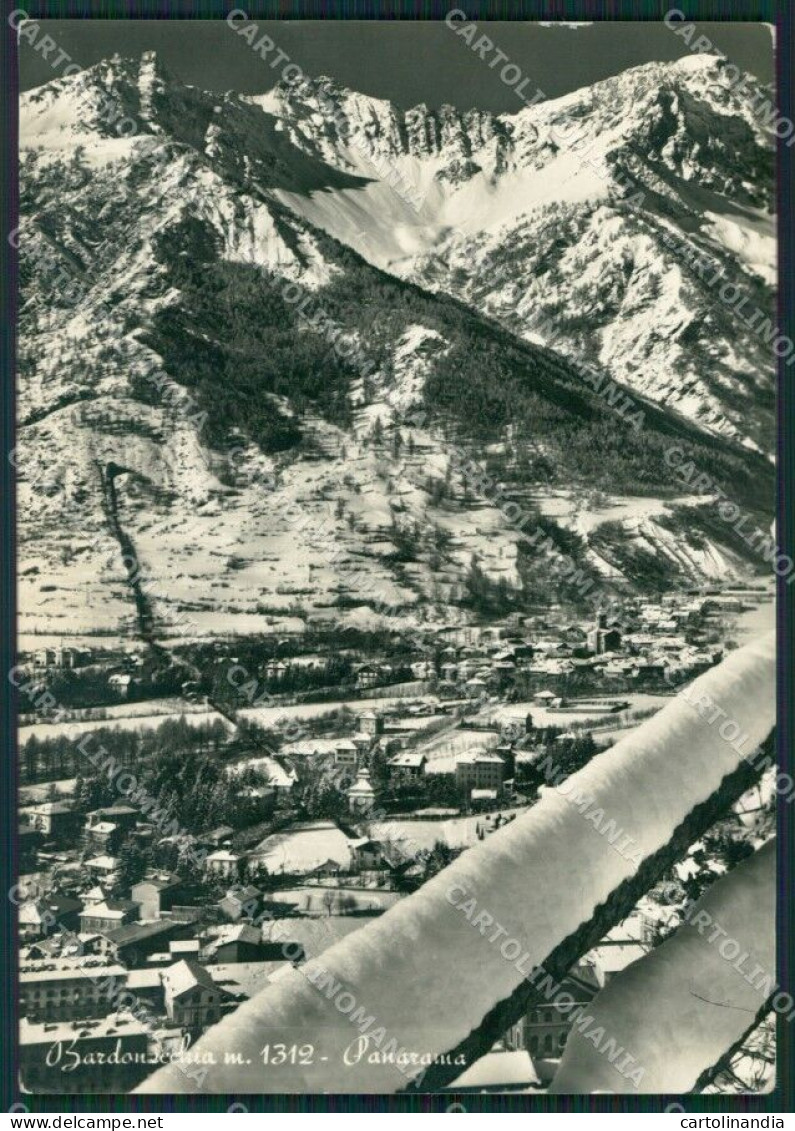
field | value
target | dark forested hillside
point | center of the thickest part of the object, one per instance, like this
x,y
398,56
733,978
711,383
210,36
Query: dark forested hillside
x,y
236,341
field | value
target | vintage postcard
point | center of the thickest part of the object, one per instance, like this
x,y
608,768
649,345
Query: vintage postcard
x,y
397,557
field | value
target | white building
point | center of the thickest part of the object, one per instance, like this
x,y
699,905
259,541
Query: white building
x,y
361,795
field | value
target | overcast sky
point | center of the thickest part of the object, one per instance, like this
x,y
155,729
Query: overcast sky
x,y
405,61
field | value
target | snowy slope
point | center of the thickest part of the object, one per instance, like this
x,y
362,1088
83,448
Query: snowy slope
x,y
212,558
574,220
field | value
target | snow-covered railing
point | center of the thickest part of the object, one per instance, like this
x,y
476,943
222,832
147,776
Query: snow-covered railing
x,y
433,982
694,998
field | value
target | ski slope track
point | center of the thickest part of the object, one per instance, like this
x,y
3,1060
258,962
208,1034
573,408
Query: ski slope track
x,y
424,977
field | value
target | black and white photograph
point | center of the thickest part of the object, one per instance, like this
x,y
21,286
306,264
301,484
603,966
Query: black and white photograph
x,y
397,558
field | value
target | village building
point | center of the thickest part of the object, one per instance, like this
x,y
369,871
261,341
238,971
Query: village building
x,y
275,669
65,657
66,989
547,698
223,863
544,1029
121,683
361,795
601,638
369,675
345,753
94,895
370,724
411,762
40,917
191,997
362,742
241,902
450,671
103,836
124,817
99,917
55,819
475,687
132,944
156,894
120,1034
104,868
479,771
368,855
239,942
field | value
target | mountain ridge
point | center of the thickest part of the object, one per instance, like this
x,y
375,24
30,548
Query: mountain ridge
x,y
186,243
701,197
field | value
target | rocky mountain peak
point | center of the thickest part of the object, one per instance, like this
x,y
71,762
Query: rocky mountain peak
x,y
180,271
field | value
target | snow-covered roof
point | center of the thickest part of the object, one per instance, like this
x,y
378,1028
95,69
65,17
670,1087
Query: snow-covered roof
x,y
303,848
362,787
410,758
509,1069
161,882
481,758
46,1032
103,911
103,863
314,935
97,894
234,933
51,808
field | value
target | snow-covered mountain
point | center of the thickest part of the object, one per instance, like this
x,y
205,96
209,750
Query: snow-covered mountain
x,y
230,421
575,222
